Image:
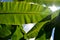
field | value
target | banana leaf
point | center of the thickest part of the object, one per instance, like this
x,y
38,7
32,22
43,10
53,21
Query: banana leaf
x,y
17,34
23,14
20,7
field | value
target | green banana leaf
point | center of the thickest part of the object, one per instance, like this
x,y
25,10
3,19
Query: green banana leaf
x,y
23,14
17,34
21,7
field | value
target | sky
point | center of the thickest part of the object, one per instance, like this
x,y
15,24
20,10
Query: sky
x,y
6,0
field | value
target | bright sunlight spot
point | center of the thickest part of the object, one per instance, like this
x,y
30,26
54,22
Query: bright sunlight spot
x,y
28,27
32,39
52,36
54,8
6,0
44,5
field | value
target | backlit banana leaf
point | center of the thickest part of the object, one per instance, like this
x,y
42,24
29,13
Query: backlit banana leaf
x,y
20,7
16,13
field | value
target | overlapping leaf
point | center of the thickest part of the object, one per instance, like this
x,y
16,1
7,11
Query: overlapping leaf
x,y
4,31
34,31
17,34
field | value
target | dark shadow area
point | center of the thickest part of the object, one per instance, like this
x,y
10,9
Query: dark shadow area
x,y
22,38
13,28
40,33
20,0
46,18
1,6
47,28
57,29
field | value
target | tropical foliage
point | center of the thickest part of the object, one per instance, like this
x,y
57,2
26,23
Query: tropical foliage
x,y
14,14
